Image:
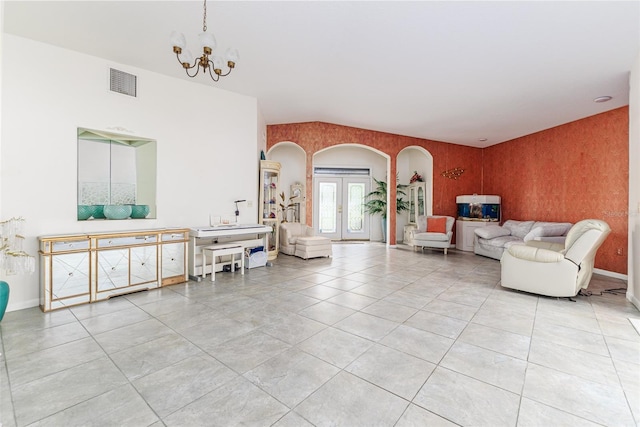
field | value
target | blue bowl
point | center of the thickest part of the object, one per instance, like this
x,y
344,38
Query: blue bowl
x,y
98,212
139,211
117,211
84,212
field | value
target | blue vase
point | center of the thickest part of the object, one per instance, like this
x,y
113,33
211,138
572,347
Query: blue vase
x,y
4,298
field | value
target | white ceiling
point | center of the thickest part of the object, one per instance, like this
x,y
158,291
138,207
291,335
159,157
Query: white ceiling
x,y
453,71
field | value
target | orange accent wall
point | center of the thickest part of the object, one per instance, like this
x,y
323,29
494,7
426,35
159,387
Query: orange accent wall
x,y
568,173
316,136
571,172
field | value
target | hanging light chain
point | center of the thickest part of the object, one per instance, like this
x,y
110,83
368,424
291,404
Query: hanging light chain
x,y
204,17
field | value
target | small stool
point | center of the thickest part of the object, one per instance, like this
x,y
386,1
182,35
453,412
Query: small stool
x,y
312,247
219,250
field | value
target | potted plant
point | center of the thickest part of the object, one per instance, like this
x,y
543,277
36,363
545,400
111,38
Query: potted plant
x,y
286,207
377,203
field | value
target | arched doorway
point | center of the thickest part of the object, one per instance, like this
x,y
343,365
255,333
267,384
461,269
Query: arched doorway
x,y
342,176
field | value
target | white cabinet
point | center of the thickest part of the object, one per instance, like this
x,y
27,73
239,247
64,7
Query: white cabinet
x,y
269,203
407,235
417,193
77,269
465,233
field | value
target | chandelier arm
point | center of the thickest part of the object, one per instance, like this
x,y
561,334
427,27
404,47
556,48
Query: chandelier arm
x,y
227,73
213,75
186,69
193,66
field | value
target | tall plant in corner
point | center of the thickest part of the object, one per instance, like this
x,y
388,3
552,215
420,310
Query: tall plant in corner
x,y
377,203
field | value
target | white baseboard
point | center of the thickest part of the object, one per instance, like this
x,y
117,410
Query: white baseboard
x,y
22,305
611,274
633,300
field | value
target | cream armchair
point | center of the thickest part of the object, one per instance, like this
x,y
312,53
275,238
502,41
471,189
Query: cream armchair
x,y
289,234
554,269
427,237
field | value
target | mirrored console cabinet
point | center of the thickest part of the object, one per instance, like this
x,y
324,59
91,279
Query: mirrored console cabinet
x,y
84,268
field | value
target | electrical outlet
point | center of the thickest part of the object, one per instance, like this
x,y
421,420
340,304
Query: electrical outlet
x,y
620,251
249,204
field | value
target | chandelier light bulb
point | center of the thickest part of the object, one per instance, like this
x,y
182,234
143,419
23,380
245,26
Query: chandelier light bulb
x,y
187,58
178,40
207,42
217,64
232,57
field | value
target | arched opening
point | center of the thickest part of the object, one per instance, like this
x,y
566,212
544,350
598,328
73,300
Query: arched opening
x,y
341,174
415,160
293,175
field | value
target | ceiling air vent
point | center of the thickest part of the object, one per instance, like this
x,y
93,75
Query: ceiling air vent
x,y
122,82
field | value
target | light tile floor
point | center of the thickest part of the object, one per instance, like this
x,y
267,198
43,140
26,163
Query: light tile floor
x,y
372,336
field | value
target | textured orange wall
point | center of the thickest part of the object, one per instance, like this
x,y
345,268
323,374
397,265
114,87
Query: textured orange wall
x,y
571,172
568,173
315,136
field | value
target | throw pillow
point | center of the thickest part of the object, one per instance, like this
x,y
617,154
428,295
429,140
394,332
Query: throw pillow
x,y
437,225
492,231
519,228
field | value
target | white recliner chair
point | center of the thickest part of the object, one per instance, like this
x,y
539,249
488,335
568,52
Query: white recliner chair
x,y
289,234
299,240
554,269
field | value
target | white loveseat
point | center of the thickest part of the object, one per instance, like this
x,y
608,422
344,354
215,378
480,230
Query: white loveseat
x,y
491,241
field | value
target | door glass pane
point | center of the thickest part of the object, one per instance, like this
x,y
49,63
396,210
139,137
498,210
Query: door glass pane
x,y
421,201
328,207
412,206
355,206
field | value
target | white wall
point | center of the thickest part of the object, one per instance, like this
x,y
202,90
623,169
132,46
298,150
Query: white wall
x,y
633,287
208,142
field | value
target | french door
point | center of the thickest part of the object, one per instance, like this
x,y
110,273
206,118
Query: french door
x,y
339,211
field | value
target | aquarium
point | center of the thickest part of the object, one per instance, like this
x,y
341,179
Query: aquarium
x,y
478,207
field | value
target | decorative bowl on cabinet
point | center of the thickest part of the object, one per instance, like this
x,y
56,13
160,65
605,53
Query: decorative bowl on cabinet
x,y
84,212
117,211
98,212
139,211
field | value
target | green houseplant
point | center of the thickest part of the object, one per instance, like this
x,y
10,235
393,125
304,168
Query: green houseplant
x,y
377,202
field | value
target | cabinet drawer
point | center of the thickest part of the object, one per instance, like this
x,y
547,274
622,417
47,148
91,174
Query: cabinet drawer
x,y
70,245
111,242
173,237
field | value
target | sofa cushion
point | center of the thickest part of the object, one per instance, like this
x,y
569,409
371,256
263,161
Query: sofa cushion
x,y
548,229
436,224
492,231
501,241
518,228
421,223
434,237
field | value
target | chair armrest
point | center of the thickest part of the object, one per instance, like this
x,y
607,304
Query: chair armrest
x,y
532,253
541,244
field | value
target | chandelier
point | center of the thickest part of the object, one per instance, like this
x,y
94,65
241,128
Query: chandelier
x,y
206,62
